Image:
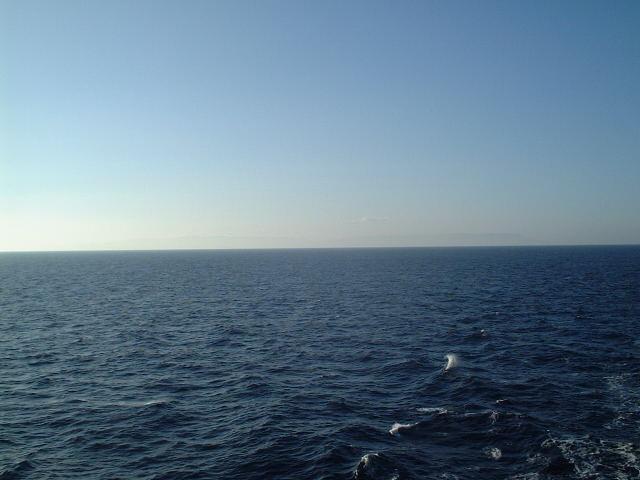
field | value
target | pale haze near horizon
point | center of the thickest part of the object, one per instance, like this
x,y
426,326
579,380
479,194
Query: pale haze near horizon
x,y
127,125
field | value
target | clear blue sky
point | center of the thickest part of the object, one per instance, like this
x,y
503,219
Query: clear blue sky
x,y
154,124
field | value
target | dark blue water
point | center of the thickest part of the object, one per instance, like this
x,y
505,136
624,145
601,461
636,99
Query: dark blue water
x,y
321,364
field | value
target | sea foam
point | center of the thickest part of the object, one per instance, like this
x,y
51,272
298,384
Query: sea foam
x,y
438,410
138,404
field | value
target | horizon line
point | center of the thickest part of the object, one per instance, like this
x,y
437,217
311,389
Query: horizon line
x,y
396,247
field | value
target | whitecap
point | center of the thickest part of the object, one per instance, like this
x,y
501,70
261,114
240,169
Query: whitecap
x,y
363,464
367,458
493,417
364,461
452,361
493,452
369,467
396,427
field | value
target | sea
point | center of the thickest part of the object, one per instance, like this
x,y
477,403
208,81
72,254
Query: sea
x,y
408,363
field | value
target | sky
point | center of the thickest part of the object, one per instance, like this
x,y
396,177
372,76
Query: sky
x,y
261,124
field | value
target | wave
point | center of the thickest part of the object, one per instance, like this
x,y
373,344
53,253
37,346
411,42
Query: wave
x,y
17,470
493,452
477,335
364,461
375,466
438,410
452,361
590,458
139,404
397,428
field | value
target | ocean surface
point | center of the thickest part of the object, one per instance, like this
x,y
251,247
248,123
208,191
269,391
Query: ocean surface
x,y
434,363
